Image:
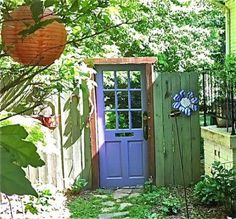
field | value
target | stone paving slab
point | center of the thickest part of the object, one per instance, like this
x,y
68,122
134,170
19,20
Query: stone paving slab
x,y
108,203
124,206
120,193
134,195
112,215
101,196
108,209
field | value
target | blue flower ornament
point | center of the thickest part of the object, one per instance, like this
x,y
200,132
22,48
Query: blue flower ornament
x,y
185,102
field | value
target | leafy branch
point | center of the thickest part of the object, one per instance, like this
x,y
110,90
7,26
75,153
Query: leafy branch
x,y
22,78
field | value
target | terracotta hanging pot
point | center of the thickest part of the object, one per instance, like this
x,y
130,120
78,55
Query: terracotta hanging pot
x,y
42,47
50,122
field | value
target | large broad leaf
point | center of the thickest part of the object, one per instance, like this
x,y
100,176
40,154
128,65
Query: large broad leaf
x,y
12,177
49,3
36,9
12,139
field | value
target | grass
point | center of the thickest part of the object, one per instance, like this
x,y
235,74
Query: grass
x,y
85,208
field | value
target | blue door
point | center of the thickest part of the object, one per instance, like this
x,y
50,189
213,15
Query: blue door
x,y
122,105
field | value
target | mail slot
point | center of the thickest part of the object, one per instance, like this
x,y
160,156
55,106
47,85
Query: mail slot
x,y
124,134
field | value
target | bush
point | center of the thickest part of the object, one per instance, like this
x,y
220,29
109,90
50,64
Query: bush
x,y
220,188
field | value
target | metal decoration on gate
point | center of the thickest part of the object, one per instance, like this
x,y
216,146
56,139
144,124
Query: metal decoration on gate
x,y
185,102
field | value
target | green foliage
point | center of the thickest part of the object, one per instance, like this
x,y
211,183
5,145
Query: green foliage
x,y
5,123
42,200
149,186
161,197
24,152
226,70
36,8
16,153
31,208
220,188
85,207
78,185
13,180
171,205
35,134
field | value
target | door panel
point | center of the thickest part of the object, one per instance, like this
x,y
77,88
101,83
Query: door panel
x,y
135,159
113,159
121,101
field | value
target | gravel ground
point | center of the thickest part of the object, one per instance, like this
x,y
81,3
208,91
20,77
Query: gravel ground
x,y
50,204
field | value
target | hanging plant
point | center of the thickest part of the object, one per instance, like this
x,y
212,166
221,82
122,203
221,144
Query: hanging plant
x,y
33,36
185,102
50,122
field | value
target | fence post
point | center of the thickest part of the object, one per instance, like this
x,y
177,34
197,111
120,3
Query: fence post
x,y
204,99
232,110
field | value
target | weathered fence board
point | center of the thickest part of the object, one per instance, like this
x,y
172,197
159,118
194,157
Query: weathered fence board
x,y
195,134
170,131
63,165
158,131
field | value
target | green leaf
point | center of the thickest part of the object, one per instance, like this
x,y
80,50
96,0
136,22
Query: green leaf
x,y
37,26
49,3
75,5
13,180
36,9
24,152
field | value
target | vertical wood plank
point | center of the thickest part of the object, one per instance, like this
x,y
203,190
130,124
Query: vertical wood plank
x,y
34,174
195,132
93,141
158,130
61,172
177,170
43,172
185,133
151,142
54,169
86,141
167,128
49,168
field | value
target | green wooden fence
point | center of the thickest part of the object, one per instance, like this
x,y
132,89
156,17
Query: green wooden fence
x,y
168,164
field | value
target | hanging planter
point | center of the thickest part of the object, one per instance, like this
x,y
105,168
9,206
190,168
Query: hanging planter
x,y
41,47
50,122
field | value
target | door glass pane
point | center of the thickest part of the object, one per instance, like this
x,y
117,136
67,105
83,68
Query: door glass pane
x,y
136,99
122,79
109,99
122,99
136,118
110,120
135,79
108,80
123,118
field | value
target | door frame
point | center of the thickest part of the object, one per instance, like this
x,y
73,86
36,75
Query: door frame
x,y
148,62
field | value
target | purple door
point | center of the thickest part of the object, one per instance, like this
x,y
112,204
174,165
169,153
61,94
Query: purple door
x,y
122,105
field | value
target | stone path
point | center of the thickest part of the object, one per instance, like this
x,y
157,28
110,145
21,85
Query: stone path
x,y
118,195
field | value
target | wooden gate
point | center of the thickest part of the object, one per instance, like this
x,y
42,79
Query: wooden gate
x,y
168,165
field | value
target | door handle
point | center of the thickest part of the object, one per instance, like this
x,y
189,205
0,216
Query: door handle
x,y
145,125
